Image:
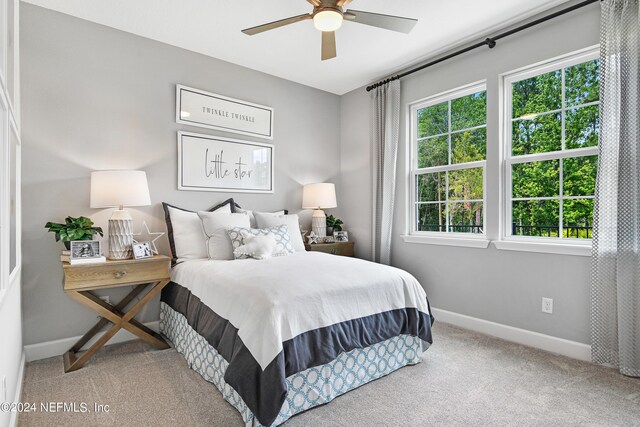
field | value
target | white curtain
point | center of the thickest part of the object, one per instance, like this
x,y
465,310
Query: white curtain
x,y
615,295
385,103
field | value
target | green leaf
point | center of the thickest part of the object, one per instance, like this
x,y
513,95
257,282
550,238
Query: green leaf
x,y
80,228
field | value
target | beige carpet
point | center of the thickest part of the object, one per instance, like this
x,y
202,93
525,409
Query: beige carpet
x,y
465,379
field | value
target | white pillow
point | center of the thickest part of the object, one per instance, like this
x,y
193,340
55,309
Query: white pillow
x,y
266,220
252,217
280,233
215,225
185,233
257,247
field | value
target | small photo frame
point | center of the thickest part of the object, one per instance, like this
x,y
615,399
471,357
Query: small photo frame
x,y
341,236
328,239
85,249
142,250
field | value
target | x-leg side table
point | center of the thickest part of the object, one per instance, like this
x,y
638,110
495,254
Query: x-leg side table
x,y
81,280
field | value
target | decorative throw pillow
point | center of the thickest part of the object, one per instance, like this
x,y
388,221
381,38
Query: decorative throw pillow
x,y
215,226
185,233
257,247
280,233
252,214
265,220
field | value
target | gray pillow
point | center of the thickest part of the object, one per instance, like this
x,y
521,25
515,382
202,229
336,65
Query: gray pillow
x,y
281,234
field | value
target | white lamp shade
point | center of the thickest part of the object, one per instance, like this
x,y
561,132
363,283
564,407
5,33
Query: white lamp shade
x,y
119,188
319,196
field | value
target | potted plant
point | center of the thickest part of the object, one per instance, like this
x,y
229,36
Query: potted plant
x,y
333,224
80,228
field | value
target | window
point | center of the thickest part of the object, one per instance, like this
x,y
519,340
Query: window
x,y
449,146
551,153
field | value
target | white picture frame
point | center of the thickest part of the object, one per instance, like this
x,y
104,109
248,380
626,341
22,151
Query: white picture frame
x,y
212,163
85,250
142,250
340,236
195,107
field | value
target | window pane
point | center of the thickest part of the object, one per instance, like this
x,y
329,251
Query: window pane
x,y
469,146
537,135
582,83
536,179
431,187
469,111
466,184
431,217
433,152
535,218
433,120
538,94
465,217
579,176
582,126
577,218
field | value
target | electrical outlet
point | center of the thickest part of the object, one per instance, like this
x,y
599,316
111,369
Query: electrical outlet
x,y
105,299
547,305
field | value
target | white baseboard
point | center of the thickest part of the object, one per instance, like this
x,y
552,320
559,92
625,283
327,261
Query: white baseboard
x,y
58,347
548,343
13,421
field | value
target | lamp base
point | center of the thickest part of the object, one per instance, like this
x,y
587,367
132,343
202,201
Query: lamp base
x,y
319,223
120,235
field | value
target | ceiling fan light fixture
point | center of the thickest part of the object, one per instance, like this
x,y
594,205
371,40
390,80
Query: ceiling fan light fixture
x,y
327,20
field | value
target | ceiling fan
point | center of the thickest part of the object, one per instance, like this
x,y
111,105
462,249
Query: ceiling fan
x,y
327,17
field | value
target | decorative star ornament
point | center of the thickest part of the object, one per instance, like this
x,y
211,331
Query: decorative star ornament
x,y
312,238
147,236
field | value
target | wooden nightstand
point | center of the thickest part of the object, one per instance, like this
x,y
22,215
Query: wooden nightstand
x,y
335,248
81,279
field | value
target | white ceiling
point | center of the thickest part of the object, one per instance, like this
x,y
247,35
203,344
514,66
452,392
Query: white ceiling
x,y
365,54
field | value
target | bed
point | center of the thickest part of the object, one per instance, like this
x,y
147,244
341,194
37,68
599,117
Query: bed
x,y
281,335
277,329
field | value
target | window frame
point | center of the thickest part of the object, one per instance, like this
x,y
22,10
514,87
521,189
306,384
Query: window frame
x,y
437,237
565,245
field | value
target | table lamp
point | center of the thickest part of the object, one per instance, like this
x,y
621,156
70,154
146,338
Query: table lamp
x,y
119,188
319,196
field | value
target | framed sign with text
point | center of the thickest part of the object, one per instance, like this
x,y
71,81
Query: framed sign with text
x,y
204,109
211,163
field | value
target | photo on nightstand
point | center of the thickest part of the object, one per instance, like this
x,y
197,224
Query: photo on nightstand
x,y
341,236
85,249
142,250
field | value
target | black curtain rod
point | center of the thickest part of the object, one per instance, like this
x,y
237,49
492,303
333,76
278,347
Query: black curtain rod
x,y
489,41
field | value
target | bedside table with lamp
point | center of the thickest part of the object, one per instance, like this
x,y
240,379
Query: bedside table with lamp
x,y
321,196
116,188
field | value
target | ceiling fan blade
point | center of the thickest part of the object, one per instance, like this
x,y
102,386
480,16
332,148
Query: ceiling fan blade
x,y
389,22
342,3
315,3
328,45
276,24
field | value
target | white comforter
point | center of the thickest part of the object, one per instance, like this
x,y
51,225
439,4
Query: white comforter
x,y
271,301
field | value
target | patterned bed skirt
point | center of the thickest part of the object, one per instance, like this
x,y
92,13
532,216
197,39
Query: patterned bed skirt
x,y
307,389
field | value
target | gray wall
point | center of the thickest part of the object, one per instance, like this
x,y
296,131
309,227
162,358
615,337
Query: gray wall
x,y
499,286
97,98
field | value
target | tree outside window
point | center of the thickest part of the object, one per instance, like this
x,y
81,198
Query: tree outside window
x,y
450,146
553,152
